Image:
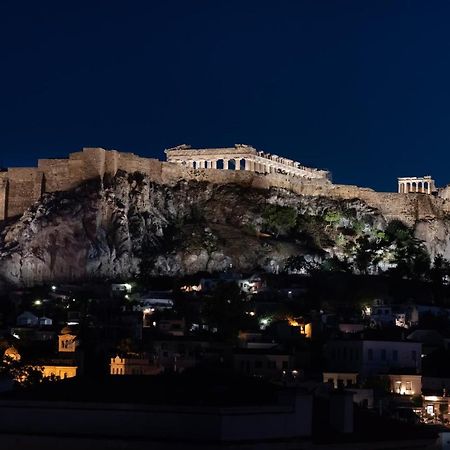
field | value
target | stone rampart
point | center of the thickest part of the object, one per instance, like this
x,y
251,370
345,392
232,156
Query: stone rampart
x,y
21,187
3,195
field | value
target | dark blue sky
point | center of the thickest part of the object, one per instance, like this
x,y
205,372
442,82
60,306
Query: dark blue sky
x,y
358,87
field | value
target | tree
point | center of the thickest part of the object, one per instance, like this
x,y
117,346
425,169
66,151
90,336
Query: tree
x,y
366,253
439,270
299,264
411,257
332,218
279,219
334,264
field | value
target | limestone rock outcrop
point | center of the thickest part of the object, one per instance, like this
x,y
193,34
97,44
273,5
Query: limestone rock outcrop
x,y
128,225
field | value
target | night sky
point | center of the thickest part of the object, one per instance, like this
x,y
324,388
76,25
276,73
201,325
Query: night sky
x,y
357,87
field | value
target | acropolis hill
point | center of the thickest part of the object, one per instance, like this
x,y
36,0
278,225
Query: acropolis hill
x,y
104,214
241,164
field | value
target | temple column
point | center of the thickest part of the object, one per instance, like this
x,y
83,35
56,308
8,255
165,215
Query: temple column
x,y
247,164
214,164
237,163
225,164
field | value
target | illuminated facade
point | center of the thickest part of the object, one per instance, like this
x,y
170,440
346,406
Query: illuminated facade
x,y
60,370
134,365
67,341
405,384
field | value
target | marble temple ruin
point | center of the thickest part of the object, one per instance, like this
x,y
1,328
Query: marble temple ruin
x,y
241,157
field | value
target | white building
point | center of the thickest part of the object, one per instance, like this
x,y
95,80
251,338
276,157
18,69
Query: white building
x,y
27,319
373,357
134,365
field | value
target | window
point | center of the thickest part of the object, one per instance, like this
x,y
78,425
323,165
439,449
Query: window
x,y
370,354
383,354
349,383
395,355
285,365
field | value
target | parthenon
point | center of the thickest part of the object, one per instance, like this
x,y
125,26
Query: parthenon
x,y
423,185
240,157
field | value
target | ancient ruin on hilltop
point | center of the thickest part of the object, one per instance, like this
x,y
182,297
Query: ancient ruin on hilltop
x,y
241,164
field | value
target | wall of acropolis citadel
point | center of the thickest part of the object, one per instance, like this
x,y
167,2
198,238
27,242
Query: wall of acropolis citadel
x,y
21,187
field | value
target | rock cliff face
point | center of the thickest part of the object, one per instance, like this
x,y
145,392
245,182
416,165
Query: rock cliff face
x,y
129,226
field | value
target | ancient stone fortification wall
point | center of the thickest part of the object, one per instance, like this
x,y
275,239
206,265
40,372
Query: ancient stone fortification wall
x,y
405,207
21,187
3,194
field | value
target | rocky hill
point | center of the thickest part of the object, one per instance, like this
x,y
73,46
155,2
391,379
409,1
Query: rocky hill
x,y
129,226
